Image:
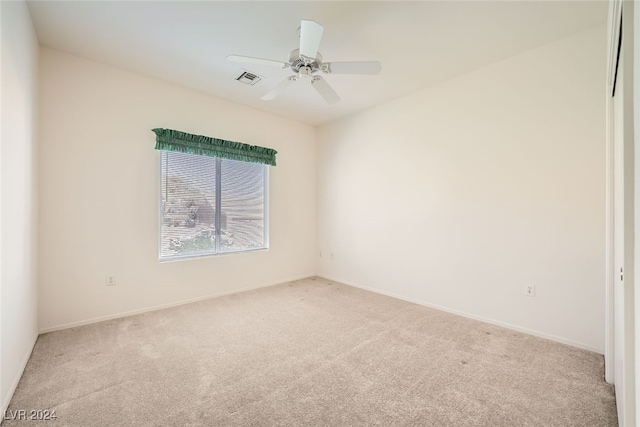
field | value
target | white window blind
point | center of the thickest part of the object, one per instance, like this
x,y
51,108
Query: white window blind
x,y
211,206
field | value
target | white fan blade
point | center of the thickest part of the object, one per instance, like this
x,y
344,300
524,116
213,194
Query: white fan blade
x,y
310,36
363,67
276,91
325,90
252,60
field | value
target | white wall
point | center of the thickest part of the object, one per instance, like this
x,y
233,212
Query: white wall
x,y
18,290
99,193
461,194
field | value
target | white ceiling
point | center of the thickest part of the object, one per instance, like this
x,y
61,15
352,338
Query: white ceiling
x,y
418,43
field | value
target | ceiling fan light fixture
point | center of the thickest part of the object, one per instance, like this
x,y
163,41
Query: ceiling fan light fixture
x,y
296,61
305,71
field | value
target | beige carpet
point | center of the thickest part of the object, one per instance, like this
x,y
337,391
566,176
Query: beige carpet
x,y
310,353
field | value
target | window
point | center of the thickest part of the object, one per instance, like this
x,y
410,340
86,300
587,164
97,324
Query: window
x,y
211,205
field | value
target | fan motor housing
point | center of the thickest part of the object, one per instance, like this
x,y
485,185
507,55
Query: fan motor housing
x,y
296,62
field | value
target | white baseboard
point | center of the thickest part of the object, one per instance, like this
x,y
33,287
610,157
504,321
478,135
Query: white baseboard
x,y
469,315
161,306
7,398
346,282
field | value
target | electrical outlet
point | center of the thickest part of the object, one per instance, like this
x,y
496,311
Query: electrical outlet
x,y
530,290
320,254
111,280
331,255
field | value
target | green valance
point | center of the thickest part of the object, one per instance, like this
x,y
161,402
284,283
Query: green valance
x,y
173,140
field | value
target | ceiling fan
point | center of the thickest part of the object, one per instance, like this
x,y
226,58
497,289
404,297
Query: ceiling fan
x,y
307,62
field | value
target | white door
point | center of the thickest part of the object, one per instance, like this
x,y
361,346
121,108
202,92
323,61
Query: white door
x,y
618,250
622,264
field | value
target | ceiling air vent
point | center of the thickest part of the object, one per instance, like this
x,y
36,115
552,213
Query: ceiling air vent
x,y
248,77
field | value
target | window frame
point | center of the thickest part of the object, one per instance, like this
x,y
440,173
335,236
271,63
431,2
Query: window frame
x,y
218,201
